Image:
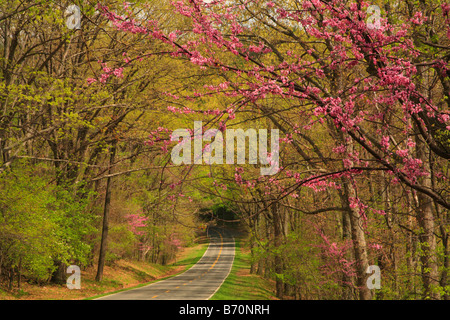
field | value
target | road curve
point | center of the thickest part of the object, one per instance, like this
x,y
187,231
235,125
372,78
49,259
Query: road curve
x,y
200,282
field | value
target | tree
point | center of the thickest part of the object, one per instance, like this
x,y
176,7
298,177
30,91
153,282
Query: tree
x,y
322,64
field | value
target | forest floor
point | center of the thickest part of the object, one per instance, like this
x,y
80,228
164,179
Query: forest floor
x,y
122,274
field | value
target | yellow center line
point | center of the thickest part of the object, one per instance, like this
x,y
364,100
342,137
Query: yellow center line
x,y
220,251
212,266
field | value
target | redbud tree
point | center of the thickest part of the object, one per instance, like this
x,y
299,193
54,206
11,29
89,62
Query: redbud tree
x,y
372,78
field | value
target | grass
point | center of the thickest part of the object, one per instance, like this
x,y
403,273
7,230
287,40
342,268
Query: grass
x,y
240,284
120,276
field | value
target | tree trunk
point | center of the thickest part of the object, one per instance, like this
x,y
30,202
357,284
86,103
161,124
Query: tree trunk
x,y
359,244
59,276
411,247
347,293
444,275
427,242
427,238
104,241
278,259
11,278
425,217
19,274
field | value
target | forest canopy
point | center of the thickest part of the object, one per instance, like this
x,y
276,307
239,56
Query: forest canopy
x,y
91,94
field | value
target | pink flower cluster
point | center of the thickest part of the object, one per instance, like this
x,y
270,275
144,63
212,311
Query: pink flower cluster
x,y
136,222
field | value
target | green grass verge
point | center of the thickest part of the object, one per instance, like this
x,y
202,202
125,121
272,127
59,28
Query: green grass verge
x,y
240,284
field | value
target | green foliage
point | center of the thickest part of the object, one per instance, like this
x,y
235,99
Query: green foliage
x,y
224,211
40,224
121,243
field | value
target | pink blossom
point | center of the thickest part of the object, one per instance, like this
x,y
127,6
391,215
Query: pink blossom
x,y
135,222
402,153
376,246
118,72
385,142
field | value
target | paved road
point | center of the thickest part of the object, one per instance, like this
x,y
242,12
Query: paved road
x,y
200,282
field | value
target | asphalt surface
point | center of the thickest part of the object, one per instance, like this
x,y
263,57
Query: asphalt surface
x,y
200,282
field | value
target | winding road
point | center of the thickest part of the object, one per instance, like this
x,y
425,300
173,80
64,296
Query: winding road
x,y
200,282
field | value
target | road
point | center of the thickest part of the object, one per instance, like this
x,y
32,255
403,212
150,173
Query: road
x,y
200,282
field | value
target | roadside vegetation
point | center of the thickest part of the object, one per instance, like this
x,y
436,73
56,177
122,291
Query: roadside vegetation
x,y
240,283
